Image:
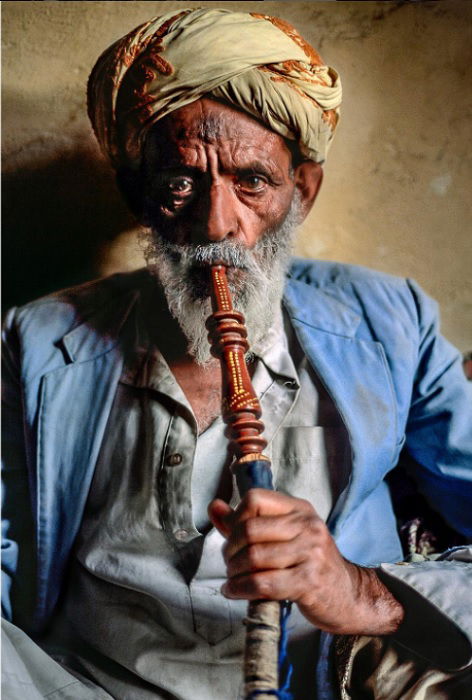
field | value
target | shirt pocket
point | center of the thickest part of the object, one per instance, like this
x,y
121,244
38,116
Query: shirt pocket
x,y
311,463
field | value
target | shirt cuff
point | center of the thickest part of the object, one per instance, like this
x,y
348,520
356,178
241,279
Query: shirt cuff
x,y
437,598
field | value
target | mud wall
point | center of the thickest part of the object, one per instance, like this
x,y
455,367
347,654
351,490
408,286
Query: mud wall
x,y
396,194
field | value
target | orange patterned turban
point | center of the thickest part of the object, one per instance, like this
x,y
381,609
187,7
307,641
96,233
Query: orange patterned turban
x,y
258,63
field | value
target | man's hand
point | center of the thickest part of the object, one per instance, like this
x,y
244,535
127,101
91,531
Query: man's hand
x,y
278,548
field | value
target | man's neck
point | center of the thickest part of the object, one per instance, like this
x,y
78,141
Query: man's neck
x,y
202,387
201,384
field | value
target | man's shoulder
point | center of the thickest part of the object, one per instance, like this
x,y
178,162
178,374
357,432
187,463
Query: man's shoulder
x,y
69,307
354,285
328,274
382,303
83,321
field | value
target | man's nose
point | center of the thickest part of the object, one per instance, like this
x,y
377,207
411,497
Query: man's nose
x,y
221,219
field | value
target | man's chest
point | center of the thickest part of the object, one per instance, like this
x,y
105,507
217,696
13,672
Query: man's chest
x,y
202,389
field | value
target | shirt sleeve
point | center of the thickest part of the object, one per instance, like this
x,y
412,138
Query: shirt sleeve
x,y
437,595
17,524
439,427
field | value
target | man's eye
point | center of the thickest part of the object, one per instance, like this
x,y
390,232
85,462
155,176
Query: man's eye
x,y
252,183
182,186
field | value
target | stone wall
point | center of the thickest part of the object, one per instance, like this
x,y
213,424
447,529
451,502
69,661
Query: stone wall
x,y
396,194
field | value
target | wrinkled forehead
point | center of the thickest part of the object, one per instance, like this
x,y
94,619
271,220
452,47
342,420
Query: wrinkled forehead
x,y
207,121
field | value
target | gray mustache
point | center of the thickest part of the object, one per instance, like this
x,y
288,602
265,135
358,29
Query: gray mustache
x,y
231,254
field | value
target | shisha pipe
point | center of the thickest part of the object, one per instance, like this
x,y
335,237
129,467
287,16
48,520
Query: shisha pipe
x,y
242,412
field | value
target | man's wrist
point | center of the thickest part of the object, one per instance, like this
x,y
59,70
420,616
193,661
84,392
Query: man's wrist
x,y
360,604
379,612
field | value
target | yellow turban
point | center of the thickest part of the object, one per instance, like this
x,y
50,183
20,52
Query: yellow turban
x,y
258,63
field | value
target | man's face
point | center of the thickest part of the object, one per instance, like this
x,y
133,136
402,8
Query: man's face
x,y
215,174
219,186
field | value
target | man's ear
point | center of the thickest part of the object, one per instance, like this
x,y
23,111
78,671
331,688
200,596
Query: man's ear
x,y
308,177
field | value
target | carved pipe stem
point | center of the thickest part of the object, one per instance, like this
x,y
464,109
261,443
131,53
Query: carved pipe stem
x,y
242,412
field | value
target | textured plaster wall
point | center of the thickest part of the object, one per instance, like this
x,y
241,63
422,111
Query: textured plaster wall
x,y
396,194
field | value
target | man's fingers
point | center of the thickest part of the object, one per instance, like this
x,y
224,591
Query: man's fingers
x,y
221,515
280,584
265,502
257,503
278,548
282,528
268,555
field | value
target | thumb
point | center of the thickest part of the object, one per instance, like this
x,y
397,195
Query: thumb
x,y
220,514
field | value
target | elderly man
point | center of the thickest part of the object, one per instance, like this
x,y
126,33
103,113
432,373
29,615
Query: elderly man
x,y
129,555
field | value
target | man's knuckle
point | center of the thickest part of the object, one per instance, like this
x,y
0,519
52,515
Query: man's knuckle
x,y
254,556
253,498
299,585
309,570
302,521
250,528
265,587
306,505
317,527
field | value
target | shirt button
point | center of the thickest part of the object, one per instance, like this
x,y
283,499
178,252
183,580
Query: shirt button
x,y
173,460
180,534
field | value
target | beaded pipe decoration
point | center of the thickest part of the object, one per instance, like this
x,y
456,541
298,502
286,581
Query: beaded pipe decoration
x,y
265,651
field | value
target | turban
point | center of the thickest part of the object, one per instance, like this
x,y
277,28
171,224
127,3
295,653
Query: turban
x,y
257,63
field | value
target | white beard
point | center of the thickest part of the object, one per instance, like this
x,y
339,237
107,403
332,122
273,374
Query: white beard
x,y
256,285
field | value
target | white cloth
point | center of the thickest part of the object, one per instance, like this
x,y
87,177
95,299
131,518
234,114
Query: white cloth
x,y
143,604
28,673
